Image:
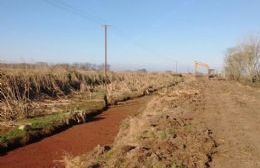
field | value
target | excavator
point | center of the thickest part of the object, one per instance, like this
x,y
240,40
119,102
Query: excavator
x,y
211,72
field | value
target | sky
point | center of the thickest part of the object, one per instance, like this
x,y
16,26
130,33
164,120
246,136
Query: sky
x,y
151,34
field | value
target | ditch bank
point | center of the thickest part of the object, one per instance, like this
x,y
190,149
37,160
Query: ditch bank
x,y
34,130
76,140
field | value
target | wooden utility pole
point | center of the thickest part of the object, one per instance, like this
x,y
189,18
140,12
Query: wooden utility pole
x,y
105,66
176,67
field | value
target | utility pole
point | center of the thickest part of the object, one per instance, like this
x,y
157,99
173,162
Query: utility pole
x,y
105,66
176,67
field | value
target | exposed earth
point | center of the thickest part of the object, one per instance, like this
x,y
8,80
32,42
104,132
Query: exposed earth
x,y
232,112
229,111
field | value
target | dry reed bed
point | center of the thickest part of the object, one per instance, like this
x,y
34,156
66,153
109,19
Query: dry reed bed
x,y
133,84
20,87
23,90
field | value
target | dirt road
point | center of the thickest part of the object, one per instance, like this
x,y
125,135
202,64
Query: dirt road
x,y
76,140
232,112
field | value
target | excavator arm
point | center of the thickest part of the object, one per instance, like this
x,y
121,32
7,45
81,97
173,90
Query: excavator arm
x,y
200,64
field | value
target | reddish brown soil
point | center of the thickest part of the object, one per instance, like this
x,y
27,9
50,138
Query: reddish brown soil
x,y
76,140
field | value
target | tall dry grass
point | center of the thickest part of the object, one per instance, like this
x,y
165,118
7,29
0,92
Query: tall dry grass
x,y
133,84
19,87
22,85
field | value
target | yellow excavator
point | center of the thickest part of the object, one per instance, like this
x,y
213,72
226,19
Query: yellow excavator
x,y
211,72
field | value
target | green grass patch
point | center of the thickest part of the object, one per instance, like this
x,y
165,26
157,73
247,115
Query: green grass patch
x,y
46,121
14,133
40,127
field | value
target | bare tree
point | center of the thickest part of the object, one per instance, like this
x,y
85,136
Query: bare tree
x,y
243,60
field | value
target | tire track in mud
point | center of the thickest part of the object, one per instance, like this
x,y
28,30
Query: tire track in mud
x,y
76,140
232,113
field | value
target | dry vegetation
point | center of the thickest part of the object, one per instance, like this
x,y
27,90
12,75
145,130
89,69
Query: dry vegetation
x,y
20,88
242,62
133,84
50,98
160,137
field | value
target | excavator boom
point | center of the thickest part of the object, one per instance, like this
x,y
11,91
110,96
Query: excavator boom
x,y
200,64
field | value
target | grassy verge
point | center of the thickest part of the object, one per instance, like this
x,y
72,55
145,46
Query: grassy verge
x,y
34,129
250,83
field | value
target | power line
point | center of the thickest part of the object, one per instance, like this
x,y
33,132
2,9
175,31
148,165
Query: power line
x,y
88,11
153,53
64,6
97,20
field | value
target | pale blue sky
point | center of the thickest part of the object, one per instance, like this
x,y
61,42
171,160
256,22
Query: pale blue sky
x,y
144,33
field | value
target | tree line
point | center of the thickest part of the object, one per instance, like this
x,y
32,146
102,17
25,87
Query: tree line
x,y
37,65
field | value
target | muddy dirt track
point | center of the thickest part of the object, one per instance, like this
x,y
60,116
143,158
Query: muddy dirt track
x,y
232,112
76,140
